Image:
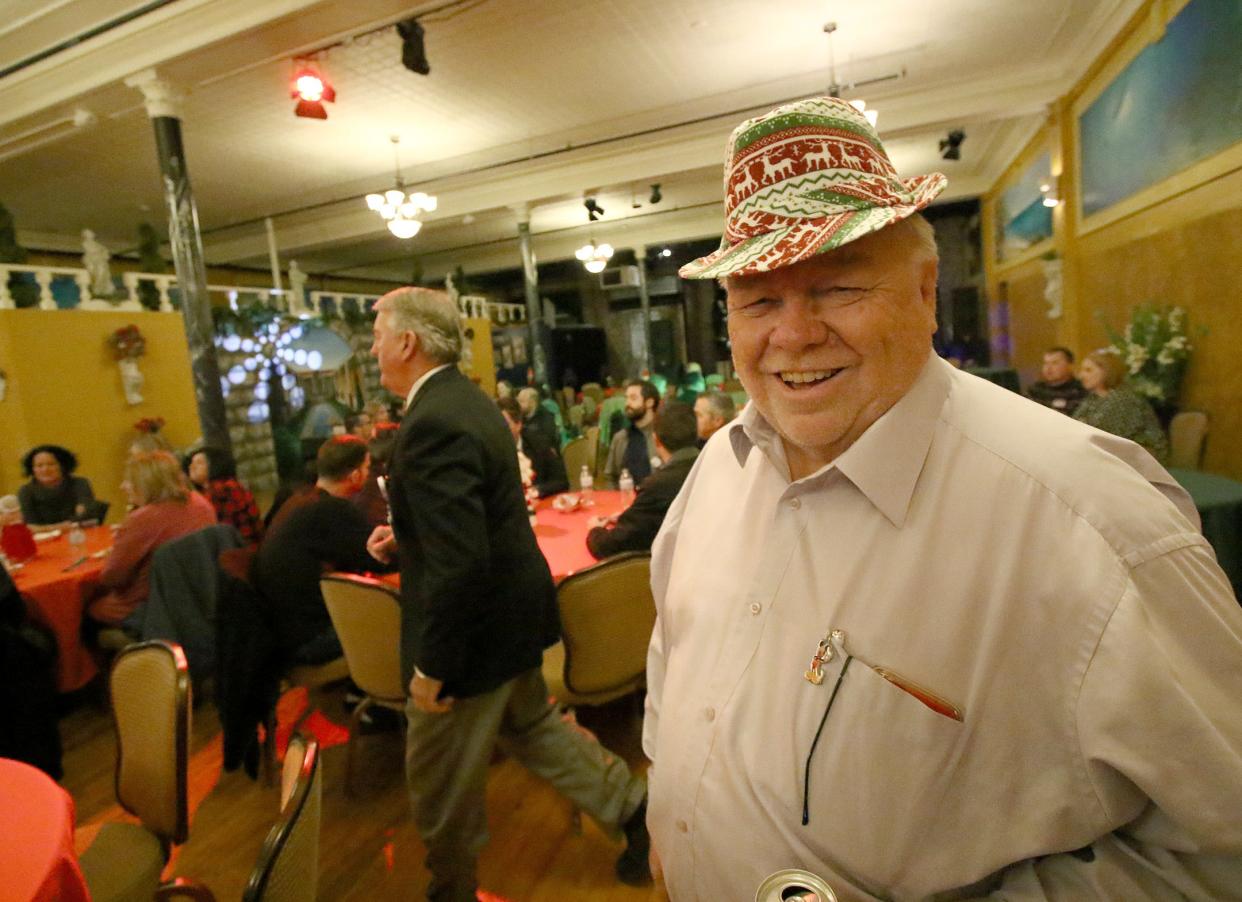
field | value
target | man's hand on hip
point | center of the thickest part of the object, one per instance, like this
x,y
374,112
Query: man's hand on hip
x,y
424,691
382,544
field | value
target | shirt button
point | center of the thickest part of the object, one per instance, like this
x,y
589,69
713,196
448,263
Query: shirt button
x,y
795,503
709,714
755,607
683,827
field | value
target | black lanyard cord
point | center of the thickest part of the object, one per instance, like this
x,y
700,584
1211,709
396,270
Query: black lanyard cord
x,y
806,775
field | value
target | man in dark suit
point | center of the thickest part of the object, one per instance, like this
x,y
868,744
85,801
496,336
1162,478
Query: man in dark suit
x,y
478,607
635,529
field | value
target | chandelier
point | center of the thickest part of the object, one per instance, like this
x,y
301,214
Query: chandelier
x,y
594,256
399,210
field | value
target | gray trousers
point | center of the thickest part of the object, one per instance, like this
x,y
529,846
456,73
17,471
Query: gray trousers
x,y
446,760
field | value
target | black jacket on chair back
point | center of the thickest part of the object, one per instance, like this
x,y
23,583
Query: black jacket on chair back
x,y
478,604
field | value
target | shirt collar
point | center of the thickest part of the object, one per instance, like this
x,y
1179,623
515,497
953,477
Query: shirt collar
x,y
409,399
884,463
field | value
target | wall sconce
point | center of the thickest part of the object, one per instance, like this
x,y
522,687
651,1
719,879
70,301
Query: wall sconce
x,y
1051,191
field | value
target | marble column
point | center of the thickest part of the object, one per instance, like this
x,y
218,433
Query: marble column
x,y
163,102
534,312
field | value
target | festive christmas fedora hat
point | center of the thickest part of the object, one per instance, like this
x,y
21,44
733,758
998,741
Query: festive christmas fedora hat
x,y
803,179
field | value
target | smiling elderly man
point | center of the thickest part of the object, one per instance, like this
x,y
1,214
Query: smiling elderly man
x,y
917,635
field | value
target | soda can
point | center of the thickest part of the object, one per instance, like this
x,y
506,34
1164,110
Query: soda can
x,y
793,885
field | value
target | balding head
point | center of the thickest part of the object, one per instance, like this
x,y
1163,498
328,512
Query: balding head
x,y
528,398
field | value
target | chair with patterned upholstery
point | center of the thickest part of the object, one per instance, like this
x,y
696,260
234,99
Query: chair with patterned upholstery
x,y
150,694
607,615
366,615
288,865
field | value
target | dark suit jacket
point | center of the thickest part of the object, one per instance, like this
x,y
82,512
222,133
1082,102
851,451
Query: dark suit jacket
x,y
546,460
478,605
638,524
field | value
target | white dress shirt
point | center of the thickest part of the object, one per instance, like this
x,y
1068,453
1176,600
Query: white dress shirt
x,y
1046,578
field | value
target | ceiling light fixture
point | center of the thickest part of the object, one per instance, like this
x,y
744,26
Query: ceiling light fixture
x,y
835,89
399,210
656,196
594,256
413,51
311,90
951,145
594,210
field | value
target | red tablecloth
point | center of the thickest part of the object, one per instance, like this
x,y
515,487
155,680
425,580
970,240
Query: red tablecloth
x,y
36,838
562,536
56,599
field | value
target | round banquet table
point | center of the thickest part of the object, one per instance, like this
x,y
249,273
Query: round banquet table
x,y
36,838
562,535
56,596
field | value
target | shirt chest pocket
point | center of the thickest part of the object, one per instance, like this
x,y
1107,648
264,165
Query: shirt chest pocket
x,y
883,766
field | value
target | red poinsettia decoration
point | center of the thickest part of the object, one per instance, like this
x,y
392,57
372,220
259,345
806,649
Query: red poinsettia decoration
x,y
127,343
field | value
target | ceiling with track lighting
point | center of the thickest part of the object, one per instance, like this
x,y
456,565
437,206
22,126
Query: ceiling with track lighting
x,y
529,108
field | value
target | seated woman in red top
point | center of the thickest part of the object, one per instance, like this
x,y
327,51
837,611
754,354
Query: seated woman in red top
x,y
214,473
165,508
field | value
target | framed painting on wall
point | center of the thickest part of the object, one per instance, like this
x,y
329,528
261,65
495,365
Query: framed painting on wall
x,y
1178,102
1022,220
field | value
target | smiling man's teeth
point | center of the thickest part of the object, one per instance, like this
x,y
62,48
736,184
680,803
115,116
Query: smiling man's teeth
x,y
806,376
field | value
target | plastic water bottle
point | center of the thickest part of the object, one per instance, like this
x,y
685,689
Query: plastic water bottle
x,y
626,484
586,483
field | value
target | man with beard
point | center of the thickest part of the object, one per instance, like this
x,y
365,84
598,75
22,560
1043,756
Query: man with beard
x,y
633,447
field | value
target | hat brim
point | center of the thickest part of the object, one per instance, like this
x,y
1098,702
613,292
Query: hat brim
x,y
806,238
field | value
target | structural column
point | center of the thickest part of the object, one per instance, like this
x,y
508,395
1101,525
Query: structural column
x,y
163,106
534,311
644,300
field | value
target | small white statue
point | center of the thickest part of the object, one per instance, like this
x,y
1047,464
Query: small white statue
x,y
1053,287
297,289
131,380
95,258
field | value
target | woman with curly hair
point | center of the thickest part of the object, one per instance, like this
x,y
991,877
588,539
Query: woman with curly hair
x,y
54,494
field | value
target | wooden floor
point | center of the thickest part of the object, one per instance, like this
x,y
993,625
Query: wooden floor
x,y
369,848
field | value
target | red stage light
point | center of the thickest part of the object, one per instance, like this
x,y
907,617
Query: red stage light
x,y
310,90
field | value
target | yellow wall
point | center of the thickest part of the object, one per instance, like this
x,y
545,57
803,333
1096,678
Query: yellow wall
x,y
64,388
484,369
1178,243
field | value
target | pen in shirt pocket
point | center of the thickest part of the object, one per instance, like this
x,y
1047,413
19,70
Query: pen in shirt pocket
x,y
936,702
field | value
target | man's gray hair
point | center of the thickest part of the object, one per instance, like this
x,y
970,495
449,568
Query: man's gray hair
x,y
432,316
721,405
923,234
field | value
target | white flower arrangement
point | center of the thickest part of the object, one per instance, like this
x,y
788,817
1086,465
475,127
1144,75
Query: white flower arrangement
x,y
1156,350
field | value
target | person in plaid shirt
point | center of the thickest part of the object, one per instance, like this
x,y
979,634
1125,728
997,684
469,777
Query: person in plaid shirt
x,y
213,473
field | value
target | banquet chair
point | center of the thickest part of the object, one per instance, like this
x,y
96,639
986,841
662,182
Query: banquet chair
x,y
592,437
607,615
150,694
577,454
288,865
1187,433
594,391
367,618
